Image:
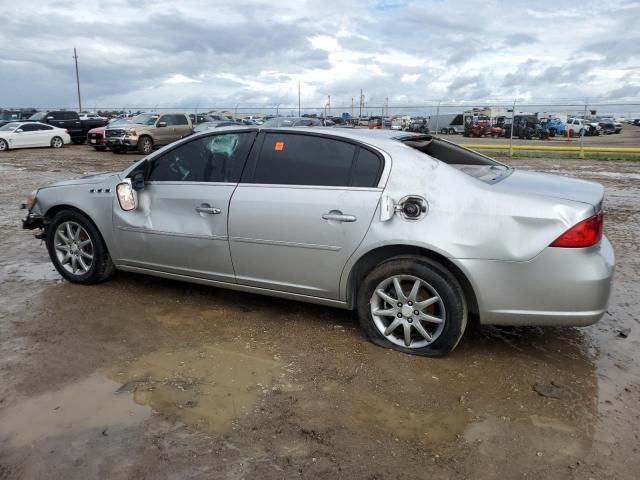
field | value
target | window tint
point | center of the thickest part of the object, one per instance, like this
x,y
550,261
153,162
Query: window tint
x,y
166,119
368,168
180,120
29,127
304,160
217,158
44,127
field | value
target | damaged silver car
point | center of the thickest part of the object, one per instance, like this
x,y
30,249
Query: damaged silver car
x,y
417,234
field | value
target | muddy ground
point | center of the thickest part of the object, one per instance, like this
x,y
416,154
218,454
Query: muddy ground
x,y
148,378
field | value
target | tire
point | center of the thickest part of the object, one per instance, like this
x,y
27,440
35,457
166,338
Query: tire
x,y
78,141
435,282
444,131
4,146
57,142
100,148
145,145
89,263
552,132
452,131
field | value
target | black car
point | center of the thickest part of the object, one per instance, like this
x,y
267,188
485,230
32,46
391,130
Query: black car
x,y
525,127
70,121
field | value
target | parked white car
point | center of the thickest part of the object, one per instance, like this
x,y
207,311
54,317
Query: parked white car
x,y
91,116
32,134
577,126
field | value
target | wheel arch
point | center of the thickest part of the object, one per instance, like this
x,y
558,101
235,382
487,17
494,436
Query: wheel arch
x,y
373,257
55,209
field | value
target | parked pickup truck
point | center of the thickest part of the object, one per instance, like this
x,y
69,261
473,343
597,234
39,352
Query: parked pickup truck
x,y
70,121
146,131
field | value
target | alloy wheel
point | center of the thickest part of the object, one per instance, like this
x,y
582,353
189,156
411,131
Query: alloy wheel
x,y
74,248
412,320
56,142
3,145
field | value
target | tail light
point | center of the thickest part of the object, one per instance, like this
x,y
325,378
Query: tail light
x,y
584,234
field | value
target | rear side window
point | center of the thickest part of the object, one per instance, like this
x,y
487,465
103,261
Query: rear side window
x,y
287,159
180,120
215,158
29,127
367,170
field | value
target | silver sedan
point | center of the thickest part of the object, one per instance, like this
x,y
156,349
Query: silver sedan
x,y
419,235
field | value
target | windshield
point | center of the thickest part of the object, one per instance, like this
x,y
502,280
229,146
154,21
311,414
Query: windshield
x,y
145,119
7,116
38,116
9,127
205,126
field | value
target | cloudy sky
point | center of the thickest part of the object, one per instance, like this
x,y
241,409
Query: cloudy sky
x,y
254,52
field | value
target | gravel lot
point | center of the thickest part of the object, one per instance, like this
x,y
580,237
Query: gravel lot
x,y
148,378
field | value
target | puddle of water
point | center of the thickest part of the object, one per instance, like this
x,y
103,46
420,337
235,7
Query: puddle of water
x,y
206,387
90,403
30,271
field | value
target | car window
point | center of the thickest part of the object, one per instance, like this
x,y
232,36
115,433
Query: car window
x,y
44,127
367,170
29,127
288,159
180,120
166,119
215,158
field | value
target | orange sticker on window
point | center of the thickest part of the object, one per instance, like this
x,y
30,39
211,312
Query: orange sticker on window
x,y
279,146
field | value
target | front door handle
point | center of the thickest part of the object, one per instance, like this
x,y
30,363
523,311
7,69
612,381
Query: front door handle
x,y
206,208
338,216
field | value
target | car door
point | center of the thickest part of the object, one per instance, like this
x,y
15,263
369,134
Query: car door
x,y
304,205
180,224
25,136
182,126
164,135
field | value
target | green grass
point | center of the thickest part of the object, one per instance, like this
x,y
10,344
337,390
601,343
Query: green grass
x,y
634,157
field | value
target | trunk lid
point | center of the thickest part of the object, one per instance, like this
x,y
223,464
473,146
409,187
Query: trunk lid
x,y
556,186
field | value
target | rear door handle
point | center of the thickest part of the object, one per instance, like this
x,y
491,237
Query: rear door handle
x,y
338,216
206,208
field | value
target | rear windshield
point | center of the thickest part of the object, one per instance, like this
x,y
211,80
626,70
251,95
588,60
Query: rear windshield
x,y
467,161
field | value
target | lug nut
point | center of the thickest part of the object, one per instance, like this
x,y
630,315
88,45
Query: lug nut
x,y
416,312
399,315
399,304
410,303
409,319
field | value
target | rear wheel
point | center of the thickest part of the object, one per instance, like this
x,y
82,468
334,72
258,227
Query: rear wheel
x,y
4,146
77,249
452,131
444,131
413,305
56,142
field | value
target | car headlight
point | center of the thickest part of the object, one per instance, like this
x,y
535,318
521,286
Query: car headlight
x,y
131,132
29,201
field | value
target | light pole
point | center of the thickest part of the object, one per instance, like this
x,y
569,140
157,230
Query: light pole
x,y
75,58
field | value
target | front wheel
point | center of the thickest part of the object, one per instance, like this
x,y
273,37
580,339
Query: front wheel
x,y
77,249
145,145
413,305
452,131
56,142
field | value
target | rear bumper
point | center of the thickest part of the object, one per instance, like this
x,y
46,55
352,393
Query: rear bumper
x,y
560,286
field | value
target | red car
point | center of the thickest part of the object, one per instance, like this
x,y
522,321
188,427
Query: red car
x,y
95,136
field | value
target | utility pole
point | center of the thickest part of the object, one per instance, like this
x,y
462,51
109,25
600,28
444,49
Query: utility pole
x,y
75,57
298,98
361,103
328,105
513,121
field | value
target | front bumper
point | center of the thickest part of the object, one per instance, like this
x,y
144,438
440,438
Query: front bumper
x,y
128,142
560,286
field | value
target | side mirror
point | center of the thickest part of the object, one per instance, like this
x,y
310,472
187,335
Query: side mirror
x,y
162,124
19,130
137,181
127,196
49,118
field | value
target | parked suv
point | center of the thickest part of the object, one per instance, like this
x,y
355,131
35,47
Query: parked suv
x,y
146,131
577,126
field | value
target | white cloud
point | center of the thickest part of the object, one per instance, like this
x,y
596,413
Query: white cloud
x,y
410,78
178,78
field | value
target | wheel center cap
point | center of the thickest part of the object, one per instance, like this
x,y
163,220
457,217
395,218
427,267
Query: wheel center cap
x,y
407,311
